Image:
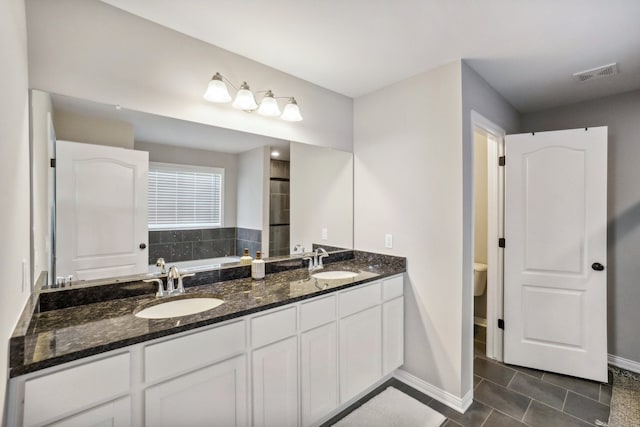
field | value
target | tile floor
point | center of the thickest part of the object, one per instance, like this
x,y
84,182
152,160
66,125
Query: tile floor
x,y
507,395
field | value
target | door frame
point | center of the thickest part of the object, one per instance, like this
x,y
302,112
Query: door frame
x,y
495,230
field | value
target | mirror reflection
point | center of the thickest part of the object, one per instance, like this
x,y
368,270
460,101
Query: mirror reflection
x,y
129,188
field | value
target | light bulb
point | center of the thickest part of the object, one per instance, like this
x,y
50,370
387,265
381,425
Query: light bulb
x,y
244,99
269,106
217,90
291,112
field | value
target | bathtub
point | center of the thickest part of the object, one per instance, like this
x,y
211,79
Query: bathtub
x,y
197,264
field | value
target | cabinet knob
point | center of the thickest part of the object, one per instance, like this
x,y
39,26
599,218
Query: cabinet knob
x,y
597,266
143,245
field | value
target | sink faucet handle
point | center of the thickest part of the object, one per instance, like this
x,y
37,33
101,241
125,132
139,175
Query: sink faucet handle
x,y
309,257
172,276
323,254
160,292
160,263
180,289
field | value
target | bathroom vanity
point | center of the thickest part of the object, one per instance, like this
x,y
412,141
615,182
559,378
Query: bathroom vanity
x,y
289,350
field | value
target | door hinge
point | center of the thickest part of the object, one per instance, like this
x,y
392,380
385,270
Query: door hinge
x,y
501,323
502,160
501,242
52,163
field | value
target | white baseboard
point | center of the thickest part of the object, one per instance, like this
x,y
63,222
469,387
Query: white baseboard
x,y
621,362
444,397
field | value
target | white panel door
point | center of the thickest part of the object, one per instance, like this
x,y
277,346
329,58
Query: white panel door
x,y
319,372
212,396
555,289
275,384
360,352
101,208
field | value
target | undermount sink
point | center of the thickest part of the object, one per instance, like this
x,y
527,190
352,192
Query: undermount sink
x,y
179,307
334,275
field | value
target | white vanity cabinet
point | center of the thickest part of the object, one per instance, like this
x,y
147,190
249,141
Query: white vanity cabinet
x,y
215,395
318,358
294,365
80,393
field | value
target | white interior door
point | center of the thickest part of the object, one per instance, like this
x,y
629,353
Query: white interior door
x,y
555,289
101,208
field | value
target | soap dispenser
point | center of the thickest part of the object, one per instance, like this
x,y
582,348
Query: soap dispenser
x,y
246,258
257,267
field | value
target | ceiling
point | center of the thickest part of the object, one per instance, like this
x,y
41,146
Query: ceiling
x,y
527,49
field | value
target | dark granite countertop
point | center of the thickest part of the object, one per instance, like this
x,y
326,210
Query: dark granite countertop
x,y
48,338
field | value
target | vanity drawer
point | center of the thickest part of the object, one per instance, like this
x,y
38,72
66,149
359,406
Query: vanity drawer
x,y
75,389
317,312
170,358
392,287
359,299
273,326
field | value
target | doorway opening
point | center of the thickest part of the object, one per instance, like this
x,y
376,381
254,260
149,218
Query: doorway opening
x,y
488,226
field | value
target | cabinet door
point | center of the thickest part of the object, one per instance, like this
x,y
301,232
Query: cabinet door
x,y
392,335
275,384
360,352
212,396
319,372
112,414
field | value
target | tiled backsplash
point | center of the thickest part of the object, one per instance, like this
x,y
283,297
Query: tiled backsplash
x,y
187,245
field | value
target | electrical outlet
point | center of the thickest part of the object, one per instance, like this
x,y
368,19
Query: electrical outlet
x,y
325,234
388,241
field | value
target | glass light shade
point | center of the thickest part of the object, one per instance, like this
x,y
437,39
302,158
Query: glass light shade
x,y
269,106
291,112
244,99
217,90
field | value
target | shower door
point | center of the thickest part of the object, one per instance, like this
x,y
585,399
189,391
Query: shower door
x,y
555,286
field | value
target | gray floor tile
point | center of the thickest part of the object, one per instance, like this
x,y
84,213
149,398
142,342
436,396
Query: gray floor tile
x,y
545,392
586,409
476,381
585,387
497,419
605,394
528,371
541,415
449,423
492,371
475,415
502,399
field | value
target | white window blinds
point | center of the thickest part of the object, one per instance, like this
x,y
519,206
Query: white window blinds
x,y
182,196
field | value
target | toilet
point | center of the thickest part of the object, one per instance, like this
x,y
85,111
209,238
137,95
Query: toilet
x,y
479,278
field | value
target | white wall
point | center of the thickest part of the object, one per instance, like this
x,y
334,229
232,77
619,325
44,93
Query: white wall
x,y
621,113
192,156
321,196
78,128
14,176
253,173
480,198
41,110
87,49
408,182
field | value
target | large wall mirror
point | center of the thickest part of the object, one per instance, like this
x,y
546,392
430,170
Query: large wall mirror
x,y
201,194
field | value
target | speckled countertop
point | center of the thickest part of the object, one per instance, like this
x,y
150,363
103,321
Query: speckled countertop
x,y
49,338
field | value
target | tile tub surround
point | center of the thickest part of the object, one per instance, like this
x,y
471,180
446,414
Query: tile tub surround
x,y
49,338
187,245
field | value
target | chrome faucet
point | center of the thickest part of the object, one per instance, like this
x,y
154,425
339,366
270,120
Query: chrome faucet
x,y
160,263
172,287
315,259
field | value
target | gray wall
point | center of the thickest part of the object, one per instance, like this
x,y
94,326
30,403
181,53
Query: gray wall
x,y
477,96
621,113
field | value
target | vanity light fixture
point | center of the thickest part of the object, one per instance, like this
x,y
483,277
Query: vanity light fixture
x,y
217,92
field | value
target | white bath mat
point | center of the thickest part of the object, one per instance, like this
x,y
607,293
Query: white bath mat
x,y
392,408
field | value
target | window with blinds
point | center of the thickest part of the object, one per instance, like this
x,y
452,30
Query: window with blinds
x,y
182,196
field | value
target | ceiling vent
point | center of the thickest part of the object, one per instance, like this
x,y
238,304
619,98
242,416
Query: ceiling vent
x,y
596,73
